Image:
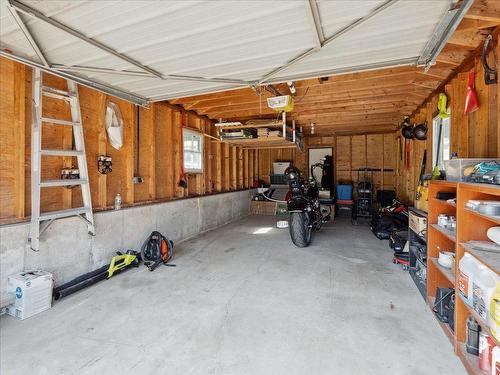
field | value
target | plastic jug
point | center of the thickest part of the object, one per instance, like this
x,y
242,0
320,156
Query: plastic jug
x,y
469,268
495,361
483,286
495,312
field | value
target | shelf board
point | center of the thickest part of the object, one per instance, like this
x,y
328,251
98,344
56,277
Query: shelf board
x,y
269,124
494,219
443,202
481,188
481,321
490,259
447,233
444,326
261,142
452,184
445,271
470,361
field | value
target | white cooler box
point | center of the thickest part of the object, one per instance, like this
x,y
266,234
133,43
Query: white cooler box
x,y
33,293
280,167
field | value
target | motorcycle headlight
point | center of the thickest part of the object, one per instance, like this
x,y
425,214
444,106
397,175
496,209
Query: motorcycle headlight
x,y
292,174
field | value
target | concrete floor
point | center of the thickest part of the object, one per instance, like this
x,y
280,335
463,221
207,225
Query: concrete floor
x,y
242,300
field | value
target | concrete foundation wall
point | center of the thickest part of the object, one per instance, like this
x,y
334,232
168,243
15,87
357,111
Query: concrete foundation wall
x,y
66,250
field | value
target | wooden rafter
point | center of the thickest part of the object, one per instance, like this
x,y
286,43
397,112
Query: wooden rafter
x,y
361,101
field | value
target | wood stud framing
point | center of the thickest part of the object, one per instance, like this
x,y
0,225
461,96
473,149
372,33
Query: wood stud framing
x,y
159,148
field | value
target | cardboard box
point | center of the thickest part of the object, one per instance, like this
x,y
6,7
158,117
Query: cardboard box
x,y
263,208
418,224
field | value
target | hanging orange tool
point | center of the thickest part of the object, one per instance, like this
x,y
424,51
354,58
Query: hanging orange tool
x,y
471,101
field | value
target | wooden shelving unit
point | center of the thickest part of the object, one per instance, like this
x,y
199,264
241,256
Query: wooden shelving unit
x,y
439,239
289,138
471,225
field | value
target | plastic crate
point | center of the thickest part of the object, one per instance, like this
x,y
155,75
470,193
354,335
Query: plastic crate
x,y
455,167
281,210
344,192
277,179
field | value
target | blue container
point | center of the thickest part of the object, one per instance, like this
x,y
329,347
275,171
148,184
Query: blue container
x,y
344,192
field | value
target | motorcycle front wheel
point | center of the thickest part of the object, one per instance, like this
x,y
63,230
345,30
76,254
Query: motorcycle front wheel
x,y
299,229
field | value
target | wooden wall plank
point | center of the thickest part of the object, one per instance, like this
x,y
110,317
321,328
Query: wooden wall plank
x,y
164,151
120,180
239,167
145,137
226,173
233,167
481,131
217,165
93,109
177,143
245,169
12,134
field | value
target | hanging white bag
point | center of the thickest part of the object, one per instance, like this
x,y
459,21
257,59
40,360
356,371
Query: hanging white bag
x,y
114,125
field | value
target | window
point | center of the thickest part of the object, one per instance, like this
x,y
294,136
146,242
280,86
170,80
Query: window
x,y
444,147
193,151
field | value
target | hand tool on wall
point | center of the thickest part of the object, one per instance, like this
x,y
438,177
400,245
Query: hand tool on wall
x,y
471,101
490,74
421,187
442,105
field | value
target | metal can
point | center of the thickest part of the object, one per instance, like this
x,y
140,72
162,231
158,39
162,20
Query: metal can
x,y
452,223
442,220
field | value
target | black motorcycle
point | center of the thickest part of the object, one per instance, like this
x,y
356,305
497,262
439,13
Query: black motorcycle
x,y
304,208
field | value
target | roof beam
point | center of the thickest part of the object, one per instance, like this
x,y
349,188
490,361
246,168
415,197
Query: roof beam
x,y
59,25
27,34
139,100
92,69
485,10
42,17
327,41
444,31
315,20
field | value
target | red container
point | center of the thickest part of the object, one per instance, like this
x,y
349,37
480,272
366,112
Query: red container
x,y
486,345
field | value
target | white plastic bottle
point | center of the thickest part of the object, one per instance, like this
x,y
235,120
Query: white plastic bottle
x,y
495,361
469,268
118,201
483,287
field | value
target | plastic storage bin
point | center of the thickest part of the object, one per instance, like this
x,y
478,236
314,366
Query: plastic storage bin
x,y
344,192
469,268
280,167
277,179
455,167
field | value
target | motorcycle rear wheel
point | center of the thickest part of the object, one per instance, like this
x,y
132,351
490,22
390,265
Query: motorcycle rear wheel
x,y
300,232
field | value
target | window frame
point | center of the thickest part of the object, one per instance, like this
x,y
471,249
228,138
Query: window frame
x,y
193,133
435,133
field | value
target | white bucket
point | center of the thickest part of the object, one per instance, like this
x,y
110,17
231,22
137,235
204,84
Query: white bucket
x,y
282,224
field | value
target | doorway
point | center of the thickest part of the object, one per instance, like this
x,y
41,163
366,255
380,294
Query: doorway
x,y
324,177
